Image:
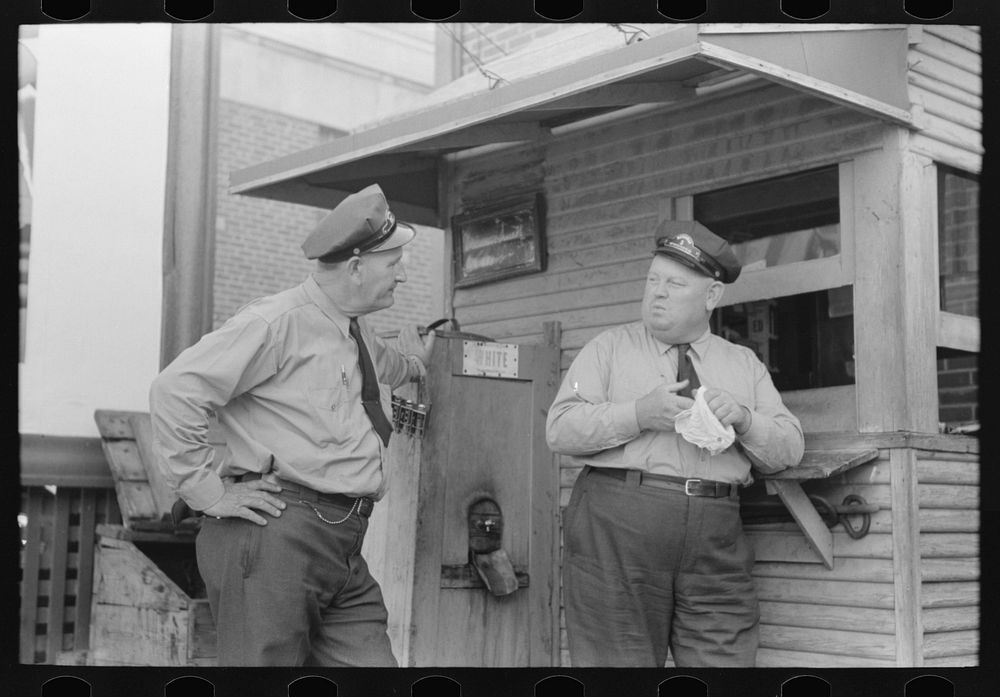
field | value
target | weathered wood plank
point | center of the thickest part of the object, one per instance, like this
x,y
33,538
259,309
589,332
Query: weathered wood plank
x,y
163,494
831,641
943,570
827,617
816,533
126,576
870,570
125,461
942,545
906,562
963,661
948,496
142,636
775,658
947,471
113,425
921,84
135,499
821,464
970,117
949,594
950,619
858,593
938,645
942,71
942,442
947,50
792,547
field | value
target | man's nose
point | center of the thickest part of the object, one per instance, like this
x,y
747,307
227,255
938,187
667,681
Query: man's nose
x,y
401,274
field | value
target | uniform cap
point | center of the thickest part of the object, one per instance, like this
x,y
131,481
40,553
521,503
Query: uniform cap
x,y
694,245
360,223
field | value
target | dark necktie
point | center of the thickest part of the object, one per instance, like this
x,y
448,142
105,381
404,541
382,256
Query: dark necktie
x,y
369,387
685,371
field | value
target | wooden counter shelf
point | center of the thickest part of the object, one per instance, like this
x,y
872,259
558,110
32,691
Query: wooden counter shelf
x,y
816,464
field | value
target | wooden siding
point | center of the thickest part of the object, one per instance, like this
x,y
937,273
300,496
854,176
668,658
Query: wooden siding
x,y
840,617
945,87
948,497
607,187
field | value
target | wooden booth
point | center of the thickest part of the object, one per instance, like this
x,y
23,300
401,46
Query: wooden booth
x,y
842,162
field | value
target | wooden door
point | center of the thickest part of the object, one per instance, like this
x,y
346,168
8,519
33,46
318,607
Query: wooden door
x,y
485,438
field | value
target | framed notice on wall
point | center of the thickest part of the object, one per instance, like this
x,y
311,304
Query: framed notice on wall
x,y
499,241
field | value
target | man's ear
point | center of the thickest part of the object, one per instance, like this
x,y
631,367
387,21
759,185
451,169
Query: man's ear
x,y
353,267
714,295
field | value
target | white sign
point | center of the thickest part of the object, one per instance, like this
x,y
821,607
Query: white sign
x,y
489,360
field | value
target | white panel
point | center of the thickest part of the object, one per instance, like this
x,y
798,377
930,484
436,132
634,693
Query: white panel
x,y
94,292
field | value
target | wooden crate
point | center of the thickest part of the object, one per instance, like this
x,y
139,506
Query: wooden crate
x,y
143,615
149,606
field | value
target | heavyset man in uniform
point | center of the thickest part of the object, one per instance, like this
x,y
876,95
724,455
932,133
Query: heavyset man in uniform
x,y
655,555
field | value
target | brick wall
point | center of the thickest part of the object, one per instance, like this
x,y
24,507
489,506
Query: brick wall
x,y
257,241
958,387
257,248
958,233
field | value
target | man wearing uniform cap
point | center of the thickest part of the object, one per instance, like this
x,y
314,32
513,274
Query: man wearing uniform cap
x,y
302,391
655,555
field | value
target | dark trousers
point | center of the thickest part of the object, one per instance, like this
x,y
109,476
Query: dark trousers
x,y
295,591
646,569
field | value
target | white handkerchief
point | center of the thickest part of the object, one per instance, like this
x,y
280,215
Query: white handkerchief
x,y
699,426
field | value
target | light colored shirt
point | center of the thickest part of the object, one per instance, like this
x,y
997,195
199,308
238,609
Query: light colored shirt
x,y
593,417
282,376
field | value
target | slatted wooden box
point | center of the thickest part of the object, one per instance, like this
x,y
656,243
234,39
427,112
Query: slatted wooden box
x,y
149,606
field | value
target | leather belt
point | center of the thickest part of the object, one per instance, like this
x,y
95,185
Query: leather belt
x,y
691,487
365,504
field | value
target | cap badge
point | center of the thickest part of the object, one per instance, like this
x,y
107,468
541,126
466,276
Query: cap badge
x,y
684,244
389,224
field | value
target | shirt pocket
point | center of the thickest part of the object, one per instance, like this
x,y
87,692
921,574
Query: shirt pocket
x,y
327,399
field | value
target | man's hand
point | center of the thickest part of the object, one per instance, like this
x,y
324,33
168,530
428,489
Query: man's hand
x,y
410,343
656,411
242,498
727,410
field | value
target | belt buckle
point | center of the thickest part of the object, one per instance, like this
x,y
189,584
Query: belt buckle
x,y
688,483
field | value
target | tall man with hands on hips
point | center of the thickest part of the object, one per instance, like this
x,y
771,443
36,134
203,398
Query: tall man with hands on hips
x,y
302,391
655,555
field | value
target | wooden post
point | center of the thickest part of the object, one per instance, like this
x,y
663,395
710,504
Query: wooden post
x,y
894,290
906,557
189,221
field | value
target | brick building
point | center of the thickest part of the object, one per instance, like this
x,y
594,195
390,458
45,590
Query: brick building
x,y
257,241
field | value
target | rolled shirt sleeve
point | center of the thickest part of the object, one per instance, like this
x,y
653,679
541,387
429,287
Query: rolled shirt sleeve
x,y
774,440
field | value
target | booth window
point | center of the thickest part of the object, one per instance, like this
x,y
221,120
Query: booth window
x,y
786,231
777,221
958,242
